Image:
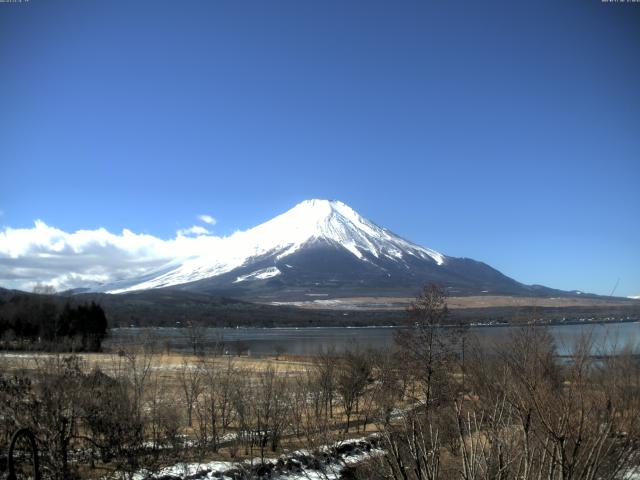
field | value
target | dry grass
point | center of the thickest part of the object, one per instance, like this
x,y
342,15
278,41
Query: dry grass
x,y
166,363
477,301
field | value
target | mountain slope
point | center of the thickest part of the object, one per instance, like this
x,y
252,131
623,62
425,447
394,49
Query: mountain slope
x,y
326,249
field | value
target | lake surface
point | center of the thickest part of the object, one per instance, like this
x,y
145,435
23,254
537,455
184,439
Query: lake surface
x,y
310,341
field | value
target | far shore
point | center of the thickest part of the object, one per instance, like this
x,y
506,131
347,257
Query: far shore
x,y
455,303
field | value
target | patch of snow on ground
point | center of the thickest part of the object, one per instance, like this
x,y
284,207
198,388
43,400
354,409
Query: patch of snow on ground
x,y
633,474
182,470
327,464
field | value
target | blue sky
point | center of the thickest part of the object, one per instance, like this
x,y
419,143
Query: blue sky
x,y
508,132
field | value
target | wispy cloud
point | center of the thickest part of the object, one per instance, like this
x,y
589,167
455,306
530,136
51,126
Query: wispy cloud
x,y
65,260
208,219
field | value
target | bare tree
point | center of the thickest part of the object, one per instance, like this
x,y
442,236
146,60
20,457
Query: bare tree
x,y
242,401
352,378
135,365
430,349
56,414
240,347
215,410
542,419
195,333
280,350
325,372
161,420
190,377
110,422
271,408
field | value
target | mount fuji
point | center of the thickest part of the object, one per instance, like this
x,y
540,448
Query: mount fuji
x,y
324,249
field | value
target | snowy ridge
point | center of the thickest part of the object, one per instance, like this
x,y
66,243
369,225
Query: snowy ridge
x,y
310,221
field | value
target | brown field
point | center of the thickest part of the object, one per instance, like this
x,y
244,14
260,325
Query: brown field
x,y
506,301
478,301
169,364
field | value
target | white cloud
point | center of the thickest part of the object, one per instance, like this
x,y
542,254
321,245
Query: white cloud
x,y
65,260
208,219
194,230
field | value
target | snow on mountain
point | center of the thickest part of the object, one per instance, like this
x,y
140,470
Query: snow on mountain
x,y
259,274
311,221
634,297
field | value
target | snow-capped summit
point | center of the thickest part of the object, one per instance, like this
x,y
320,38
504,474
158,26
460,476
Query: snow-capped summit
x,y
320,248
309,222
333,221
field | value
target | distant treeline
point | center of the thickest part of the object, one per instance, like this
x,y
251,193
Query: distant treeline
x,y
43,322
177,308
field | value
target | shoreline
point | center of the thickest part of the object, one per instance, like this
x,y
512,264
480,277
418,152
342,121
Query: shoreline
x,y
363,327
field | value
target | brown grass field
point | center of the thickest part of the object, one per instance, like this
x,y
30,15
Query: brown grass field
x,y
477,301
167,363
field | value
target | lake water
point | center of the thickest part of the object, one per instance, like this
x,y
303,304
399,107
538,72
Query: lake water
x,y
309,341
